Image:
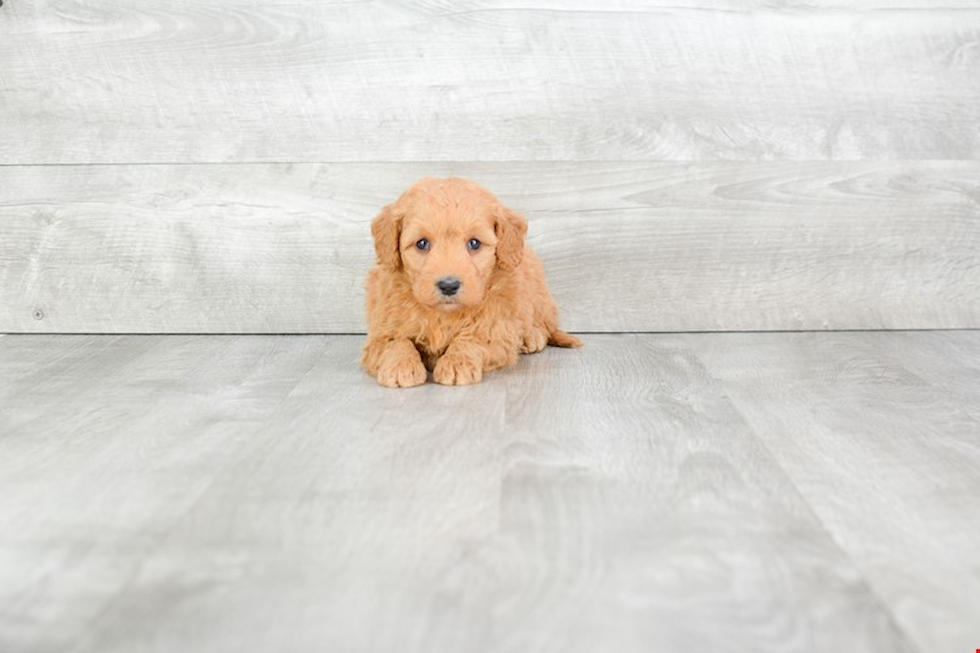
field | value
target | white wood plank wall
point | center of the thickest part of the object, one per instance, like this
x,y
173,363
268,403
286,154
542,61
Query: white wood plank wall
x,y
212,166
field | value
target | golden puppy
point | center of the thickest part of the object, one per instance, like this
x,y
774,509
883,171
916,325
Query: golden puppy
x,y
455,291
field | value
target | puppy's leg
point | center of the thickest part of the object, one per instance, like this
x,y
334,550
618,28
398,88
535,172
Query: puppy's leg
x,y
462,364
535,339
467,358
396,363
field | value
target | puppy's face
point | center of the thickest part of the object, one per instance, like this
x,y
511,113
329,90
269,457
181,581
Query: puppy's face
x,y
448,253
448,236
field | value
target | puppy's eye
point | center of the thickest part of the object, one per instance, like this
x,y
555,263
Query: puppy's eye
x,y
473,244
422,244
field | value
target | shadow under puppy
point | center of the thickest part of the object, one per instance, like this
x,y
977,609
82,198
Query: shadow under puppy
x,y
455,290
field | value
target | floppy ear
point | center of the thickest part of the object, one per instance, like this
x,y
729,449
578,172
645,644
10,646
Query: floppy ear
x,y
386,228
510,229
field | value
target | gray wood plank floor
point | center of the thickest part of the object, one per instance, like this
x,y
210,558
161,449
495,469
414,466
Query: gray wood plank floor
x,y
715,492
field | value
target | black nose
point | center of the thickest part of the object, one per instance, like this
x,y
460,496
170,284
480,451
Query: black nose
x,y
448,286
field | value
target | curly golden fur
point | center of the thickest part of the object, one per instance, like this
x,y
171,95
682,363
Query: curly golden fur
x,y
455,290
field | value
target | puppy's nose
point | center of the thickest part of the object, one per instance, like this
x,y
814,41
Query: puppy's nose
x,y
448,286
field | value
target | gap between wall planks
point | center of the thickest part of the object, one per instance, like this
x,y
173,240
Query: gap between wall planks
x,y
283,248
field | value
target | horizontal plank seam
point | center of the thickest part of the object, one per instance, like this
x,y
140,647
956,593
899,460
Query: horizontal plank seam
x,y
261,334
402,162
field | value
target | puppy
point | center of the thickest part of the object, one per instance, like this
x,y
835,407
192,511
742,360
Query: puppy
x,y
455,290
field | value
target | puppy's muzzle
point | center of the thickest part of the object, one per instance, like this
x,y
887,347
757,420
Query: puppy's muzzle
x,y
448,286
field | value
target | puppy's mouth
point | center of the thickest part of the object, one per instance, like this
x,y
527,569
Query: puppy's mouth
x,y
448,304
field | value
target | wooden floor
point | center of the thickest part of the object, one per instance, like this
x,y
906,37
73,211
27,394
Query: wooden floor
x,y
711,492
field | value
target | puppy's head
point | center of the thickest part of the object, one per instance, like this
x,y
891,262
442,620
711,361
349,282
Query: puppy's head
x,y
449,237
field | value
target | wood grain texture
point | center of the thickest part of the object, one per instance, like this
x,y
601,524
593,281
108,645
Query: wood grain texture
x,y
263,493
110,81
949,363
627,246
888,458
123,437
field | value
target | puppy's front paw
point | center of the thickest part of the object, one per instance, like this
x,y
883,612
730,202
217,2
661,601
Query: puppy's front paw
x,y
401,373
453,369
